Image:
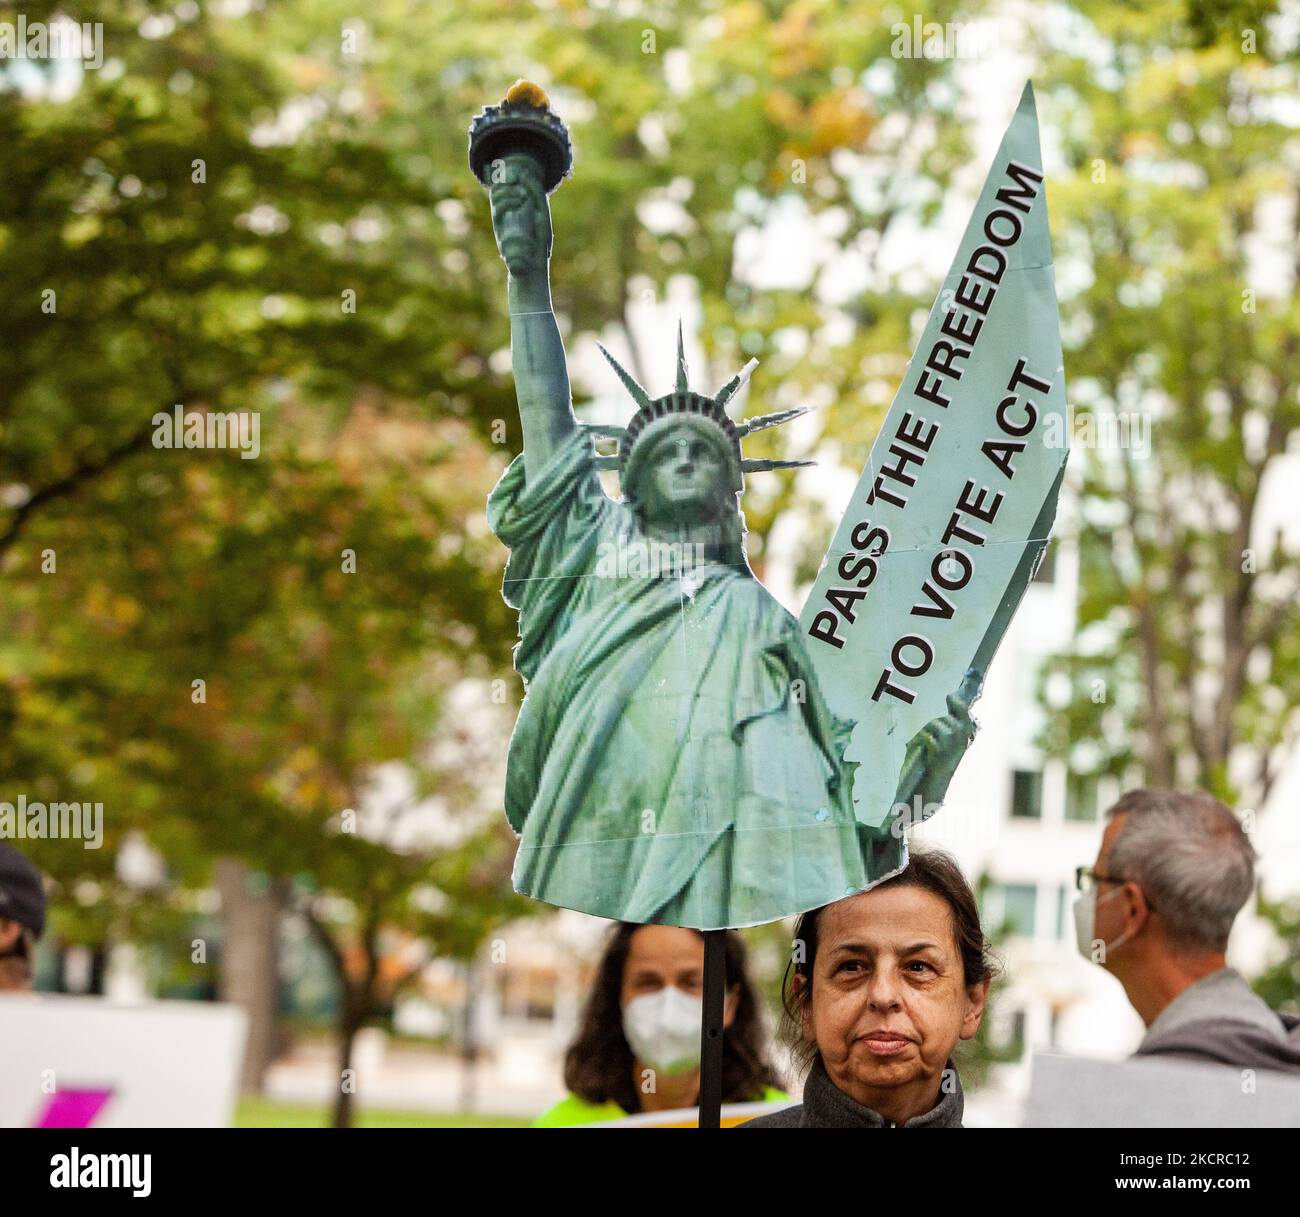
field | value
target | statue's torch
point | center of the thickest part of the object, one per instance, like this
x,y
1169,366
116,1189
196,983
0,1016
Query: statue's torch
x,y
520,151
523,123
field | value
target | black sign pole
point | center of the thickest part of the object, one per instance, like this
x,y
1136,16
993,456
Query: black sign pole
x,y
715,988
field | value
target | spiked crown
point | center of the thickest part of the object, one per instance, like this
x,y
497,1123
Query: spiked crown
x,y
654,415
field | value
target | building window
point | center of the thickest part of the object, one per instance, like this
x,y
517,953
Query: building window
x,y
1009,908
1018,905
1027,794
1018,1022
1064,916
1081,797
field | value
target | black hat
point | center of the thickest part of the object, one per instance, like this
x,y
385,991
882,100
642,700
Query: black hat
x,y
22,894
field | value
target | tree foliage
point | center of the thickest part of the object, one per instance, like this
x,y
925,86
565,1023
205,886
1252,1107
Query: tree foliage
x,y
1176,233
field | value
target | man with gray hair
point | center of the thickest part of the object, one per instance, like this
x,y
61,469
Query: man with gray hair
x,y
1172,872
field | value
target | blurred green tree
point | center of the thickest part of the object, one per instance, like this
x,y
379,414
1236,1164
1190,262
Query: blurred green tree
x,y
1279,982
1177,229
270,212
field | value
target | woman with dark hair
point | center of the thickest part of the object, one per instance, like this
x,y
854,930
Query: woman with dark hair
x,y
880,988
638,1048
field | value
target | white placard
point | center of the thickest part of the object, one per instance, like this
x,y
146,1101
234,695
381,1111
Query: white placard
x,y
85,1062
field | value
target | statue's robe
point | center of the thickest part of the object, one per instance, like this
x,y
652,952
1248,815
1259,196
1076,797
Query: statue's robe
x,y
674,760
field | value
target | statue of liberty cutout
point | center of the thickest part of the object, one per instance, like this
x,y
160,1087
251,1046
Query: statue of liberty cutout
x,y
674,760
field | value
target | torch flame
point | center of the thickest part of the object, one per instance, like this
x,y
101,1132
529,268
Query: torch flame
x,y
525,93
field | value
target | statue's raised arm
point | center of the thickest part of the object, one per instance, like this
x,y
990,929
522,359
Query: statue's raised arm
x,y
523,153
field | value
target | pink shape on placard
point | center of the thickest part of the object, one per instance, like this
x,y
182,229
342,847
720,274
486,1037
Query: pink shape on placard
x,y
73,1108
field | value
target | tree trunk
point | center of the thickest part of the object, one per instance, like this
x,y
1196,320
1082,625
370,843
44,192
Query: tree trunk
x,y
356,1005
469,1047
250,962
350,1023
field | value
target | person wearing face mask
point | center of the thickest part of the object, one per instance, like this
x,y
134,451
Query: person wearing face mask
x,y
638,1047
1172,872
881,988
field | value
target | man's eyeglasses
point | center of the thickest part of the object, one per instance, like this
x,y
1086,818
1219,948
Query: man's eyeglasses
x,y
1086,879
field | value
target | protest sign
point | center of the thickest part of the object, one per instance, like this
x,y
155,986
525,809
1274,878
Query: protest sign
x,y
955,507
689,752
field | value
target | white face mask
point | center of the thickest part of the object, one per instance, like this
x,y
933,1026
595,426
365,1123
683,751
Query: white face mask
x,y
663,1029
1085,924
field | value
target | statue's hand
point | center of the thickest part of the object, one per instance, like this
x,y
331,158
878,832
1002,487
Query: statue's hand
x,y
936,750
521,216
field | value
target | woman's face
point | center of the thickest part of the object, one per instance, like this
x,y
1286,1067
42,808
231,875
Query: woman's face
x,y
660,955
889,1001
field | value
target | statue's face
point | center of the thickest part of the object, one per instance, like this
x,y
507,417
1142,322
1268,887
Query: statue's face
x,y
685,479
